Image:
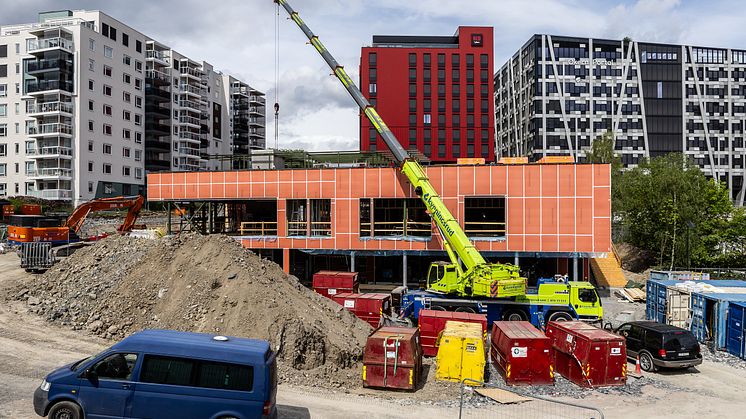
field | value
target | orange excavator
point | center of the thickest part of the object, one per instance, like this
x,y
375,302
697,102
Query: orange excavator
x,y
42,239
37,228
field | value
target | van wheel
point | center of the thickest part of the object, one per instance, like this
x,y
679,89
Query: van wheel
x,y
560,316
646,362
65,410
514,316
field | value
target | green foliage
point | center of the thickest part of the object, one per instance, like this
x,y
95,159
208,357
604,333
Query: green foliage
x,y
668,206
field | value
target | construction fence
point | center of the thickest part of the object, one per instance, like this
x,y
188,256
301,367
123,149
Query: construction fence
x,y
489,401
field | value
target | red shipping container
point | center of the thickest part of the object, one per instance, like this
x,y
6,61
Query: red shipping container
x,y
393,358
331,283
31,209
588,356
521,353
367,307
432,322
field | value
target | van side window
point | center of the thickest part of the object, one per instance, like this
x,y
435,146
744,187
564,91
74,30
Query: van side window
x,y
196,373
225,376
166,370
116,367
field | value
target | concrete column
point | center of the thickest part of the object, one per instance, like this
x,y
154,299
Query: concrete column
x,y
286,260
515,260
404,269
575,272
352,261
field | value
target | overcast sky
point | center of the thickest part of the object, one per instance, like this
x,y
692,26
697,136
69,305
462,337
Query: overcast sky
x,y
237,37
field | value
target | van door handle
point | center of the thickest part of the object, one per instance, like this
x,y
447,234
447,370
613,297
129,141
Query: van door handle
x,y
125,386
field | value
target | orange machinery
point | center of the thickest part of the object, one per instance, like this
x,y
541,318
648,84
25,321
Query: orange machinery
x,y
27,229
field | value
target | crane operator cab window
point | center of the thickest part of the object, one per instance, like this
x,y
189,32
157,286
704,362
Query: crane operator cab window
x,y
436,273
587,295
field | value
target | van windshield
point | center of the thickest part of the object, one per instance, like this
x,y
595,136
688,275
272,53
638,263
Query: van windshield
x,y
678,341
78,364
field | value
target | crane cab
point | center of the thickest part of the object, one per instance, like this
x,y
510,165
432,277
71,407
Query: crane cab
x,y
442,276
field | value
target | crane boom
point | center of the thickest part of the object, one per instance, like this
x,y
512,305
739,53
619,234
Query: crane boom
x,y
479,277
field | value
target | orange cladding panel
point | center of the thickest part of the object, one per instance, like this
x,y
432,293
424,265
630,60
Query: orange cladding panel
x,y
549,180
483,179
567,215
584,216
499,181
466,178
602,235
533,216
515,180
566,175
371,187
516,213
584,179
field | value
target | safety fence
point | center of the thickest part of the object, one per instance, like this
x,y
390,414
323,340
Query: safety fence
x,y
516,404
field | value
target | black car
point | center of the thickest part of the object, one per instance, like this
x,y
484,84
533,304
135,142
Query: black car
x,y
660,345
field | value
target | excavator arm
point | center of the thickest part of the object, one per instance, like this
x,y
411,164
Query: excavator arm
x,y
479,277
134,203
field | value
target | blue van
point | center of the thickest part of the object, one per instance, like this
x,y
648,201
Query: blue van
x,y
166,374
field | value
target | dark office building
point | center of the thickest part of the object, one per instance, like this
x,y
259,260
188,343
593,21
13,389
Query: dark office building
x,y
558,94
434,92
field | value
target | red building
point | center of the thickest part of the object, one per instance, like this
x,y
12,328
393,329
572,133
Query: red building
x,y
434,92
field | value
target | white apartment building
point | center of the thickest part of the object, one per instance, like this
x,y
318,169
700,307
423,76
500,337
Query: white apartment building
x,y
88,105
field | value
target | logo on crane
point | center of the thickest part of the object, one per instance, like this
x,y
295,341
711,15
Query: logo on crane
x,y
437,214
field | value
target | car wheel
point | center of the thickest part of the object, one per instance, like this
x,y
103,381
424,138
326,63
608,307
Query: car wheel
x,y
514,316
646,362
560,316
65,410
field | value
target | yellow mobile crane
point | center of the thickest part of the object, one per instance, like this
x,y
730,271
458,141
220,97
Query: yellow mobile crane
x,y
467,274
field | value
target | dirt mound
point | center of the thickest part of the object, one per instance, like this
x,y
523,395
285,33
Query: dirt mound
x,y
204,284
634,259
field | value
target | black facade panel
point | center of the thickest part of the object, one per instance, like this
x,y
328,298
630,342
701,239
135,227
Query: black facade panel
x,y
660,74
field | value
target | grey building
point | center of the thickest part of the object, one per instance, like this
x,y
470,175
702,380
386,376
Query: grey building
x,y
557,94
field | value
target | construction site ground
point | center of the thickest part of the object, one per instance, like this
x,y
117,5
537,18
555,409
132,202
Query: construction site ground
x,y
30,347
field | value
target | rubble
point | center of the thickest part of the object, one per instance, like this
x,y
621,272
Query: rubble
x,y
124,284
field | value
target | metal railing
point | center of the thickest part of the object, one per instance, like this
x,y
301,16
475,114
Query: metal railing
x,y
484,229
189,151
52,194
50,172
530,406
189,120
396,228
44,85
192,71
156,55
192,89
159,75
186,135
66,107
49,64
52,150
53,128
309,229
37,44
258,228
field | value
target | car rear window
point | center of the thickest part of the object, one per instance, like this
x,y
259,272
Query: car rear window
x,y
678,340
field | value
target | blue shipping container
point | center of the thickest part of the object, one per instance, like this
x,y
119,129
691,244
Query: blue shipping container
x,y
736,333
710,314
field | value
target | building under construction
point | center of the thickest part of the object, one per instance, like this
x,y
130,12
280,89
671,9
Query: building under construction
x,y
548,218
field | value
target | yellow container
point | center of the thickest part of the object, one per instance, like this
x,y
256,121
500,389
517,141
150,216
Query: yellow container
x,y
461,353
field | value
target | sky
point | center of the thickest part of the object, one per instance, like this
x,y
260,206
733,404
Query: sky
x,y
316,113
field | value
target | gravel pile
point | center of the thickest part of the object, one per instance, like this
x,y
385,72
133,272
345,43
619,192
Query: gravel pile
x,y
204,284
721,357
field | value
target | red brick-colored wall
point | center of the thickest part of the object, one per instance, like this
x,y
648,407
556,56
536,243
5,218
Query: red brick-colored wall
x,y
549,208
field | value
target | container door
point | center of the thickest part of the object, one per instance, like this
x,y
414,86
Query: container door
x,y
677,311
698,317
721,322
735,341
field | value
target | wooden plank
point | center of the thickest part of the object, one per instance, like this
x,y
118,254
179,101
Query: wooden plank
x,y
502,396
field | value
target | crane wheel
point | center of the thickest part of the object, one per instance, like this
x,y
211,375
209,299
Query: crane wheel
x,y
465,310
438,308
514,316
560,316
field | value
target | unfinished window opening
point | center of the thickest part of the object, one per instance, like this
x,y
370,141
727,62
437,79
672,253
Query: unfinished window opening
x,y
484,216
258,217
394,217
311,217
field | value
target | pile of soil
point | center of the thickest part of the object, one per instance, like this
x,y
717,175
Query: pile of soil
x,y
203,284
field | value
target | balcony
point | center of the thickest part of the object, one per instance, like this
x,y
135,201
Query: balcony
x,y
53,129
47,85
189,120
55,194
40,109
192,72
186,88
39,45
191,104
157,95
159,78
189,136
257,99
189,151
254,109
50,152
50,173
41,66
157,56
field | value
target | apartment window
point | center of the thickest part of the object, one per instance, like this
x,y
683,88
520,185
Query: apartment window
x,y
90,125
412,60
138,119
105,29
125,39
3,109
138,102
126,97
91,44
138,46
18,68
18,108
127,115
138,84
107,148
3,169
427,119
138,137
107,71
3,51
126,59
483,60
3,130
107,129
3,150
91,64
126,171
108,52
90,166
18,48
90,105
107,90
90,145
126,134
126,78
659,90
107,168
372,88
18,128
138,171
90,84
3,90
18,88
90,187
138,66
138,155
107,110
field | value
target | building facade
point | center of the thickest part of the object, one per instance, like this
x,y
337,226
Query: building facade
x,y
548,218
556,95
88,105
434,92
